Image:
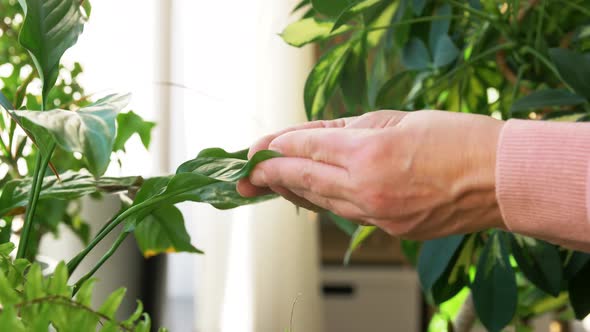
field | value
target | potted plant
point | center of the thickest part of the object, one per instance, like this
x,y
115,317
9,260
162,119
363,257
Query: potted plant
x,y
507,59
71,138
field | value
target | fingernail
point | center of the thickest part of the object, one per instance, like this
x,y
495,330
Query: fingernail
x,y
258,178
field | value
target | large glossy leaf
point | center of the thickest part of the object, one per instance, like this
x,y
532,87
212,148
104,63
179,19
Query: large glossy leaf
x,y
323,80
90,130
359,236
210,178
415,55
539,261
435,257
129,124
69,186
579,291
331,8
494,287
163,231
574,69
353,10
309,30
50,28
546,98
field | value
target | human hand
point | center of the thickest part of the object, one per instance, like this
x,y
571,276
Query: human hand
x,y
419,175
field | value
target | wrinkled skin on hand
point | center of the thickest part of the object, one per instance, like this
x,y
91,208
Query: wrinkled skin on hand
x,y
418,175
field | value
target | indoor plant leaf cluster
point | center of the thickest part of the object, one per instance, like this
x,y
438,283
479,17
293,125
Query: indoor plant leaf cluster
x,y
507,59
55,131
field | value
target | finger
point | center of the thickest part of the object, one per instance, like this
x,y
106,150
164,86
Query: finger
x,y
332,145
296,200
262,144
247,189
340,207
378,119
302,174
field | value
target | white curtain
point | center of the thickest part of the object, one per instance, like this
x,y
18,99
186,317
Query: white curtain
x,y
234,80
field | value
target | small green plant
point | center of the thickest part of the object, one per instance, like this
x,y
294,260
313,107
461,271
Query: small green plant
x,y
507,59
57,124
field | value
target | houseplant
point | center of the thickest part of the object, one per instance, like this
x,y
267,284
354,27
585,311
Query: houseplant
x,y
70,150
507,59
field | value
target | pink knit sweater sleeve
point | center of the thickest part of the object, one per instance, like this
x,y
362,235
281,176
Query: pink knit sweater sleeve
x,y
543,181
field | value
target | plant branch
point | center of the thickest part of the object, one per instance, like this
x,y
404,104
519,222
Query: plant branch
x,y
63,300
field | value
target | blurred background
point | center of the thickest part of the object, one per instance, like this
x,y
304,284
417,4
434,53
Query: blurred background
x,y
210,76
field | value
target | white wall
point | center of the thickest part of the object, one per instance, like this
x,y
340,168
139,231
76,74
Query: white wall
x,y
241,81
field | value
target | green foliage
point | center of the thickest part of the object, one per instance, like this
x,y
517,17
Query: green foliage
x,y
494,286
360,235
50,28
129,124
90,130
32,301
506,59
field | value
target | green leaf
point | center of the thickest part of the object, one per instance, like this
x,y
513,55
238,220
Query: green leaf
x,y
163,231
129,124
225,166
494,287
58,283
439,29
145,325
574,69
49,30
418,6
323,80
136,314
434,258
8,296
539,261
546,98
353,10
87,6
579,291
112,303
353,81
9,321
69,186
34,284
309,30
90,130
445,52
359,236
415,55
345,225
6,248
300,5
331,8
5,103
84,295
411,250
577,261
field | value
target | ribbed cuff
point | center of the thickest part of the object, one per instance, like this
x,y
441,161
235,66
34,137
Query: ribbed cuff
x,y
542,173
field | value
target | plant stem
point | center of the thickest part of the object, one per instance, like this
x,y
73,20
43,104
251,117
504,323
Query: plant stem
x,y
73,264
102,260
39,172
